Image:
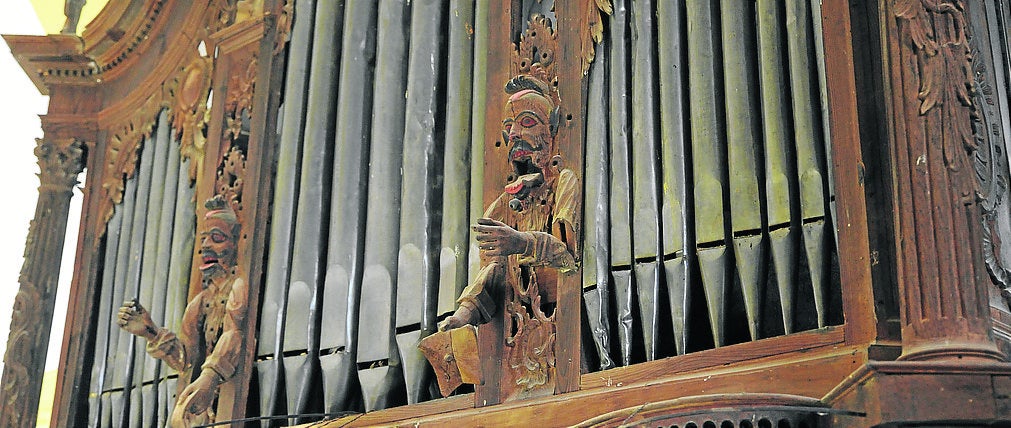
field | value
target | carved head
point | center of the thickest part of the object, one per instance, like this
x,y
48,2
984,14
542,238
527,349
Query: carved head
x,y
218,238
529,125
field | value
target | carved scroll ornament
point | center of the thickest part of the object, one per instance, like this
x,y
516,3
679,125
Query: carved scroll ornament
x,y
991,166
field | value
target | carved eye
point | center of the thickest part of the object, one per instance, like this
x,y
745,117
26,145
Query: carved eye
x,y
218,237
528,122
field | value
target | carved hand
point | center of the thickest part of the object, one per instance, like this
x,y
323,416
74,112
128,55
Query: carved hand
x,y
136,320
197,396
497,239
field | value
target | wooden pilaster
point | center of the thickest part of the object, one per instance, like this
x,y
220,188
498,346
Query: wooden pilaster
x,y
942,281
60,162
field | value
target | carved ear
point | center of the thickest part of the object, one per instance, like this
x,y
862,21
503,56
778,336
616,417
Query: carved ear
x,y
554,120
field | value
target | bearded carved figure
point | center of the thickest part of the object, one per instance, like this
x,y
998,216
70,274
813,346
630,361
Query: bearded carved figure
x,y
206,349
526,239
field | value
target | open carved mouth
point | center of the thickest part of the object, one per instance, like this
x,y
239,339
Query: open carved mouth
x,y
209,261
521,156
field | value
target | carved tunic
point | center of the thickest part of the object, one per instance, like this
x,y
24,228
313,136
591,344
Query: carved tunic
x,y
209,325
548,214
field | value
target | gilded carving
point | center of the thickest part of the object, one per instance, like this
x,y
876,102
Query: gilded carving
x,y
592,29
188,94
285,20
527,238
185,94
240,98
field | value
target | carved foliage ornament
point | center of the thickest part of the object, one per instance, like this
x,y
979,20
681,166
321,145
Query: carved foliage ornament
x,y
937,29
185,95
239,104
59,164
592,29
188,93
991,165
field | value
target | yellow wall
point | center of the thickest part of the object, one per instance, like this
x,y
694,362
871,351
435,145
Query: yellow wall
x,y
50,13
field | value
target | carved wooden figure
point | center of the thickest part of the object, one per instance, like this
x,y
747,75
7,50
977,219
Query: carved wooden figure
x,y
527,240
206,349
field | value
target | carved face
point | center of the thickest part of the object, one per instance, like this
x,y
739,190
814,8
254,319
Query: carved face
x,y
217,245
527,131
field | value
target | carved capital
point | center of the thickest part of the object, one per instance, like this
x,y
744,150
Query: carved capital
x,y
59,164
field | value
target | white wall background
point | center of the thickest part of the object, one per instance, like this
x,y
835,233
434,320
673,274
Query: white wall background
x,y
20,105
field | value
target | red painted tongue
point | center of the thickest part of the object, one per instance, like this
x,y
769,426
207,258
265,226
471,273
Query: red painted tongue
x,y
514,187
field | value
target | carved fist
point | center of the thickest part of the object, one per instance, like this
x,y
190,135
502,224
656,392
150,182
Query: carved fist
x,y
136,320
196,398
497,239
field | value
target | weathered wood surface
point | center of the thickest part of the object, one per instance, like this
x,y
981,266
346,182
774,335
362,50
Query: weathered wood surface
x,y
809,373
60,162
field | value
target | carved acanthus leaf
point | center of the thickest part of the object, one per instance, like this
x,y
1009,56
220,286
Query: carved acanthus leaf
x,y
536,53
592,29
284,22
937,30
241,84
59,164
230,180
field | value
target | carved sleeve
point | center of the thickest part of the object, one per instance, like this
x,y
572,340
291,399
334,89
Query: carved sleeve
x,y
225,357
557,249
172,348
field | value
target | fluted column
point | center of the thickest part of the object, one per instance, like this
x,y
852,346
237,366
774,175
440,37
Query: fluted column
x,y
24,361
942,282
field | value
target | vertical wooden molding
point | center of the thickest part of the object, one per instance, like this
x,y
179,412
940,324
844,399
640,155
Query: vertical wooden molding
x,y
24,362
942,280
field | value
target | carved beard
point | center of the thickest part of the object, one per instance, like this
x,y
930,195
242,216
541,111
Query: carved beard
x,y
215,264
529,165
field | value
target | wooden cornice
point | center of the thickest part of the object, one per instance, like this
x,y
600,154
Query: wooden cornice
x,y
55,59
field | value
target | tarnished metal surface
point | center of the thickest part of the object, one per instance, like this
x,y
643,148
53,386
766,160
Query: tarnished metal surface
x,y
417,279
743,134
127,343
286,181
456,188
809,145
708,154
677,227
308,260
621,186
646,173
105,327
780,184
597,284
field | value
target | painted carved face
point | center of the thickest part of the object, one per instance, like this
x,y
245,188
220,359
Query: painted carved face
x,y
527,131
217,245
